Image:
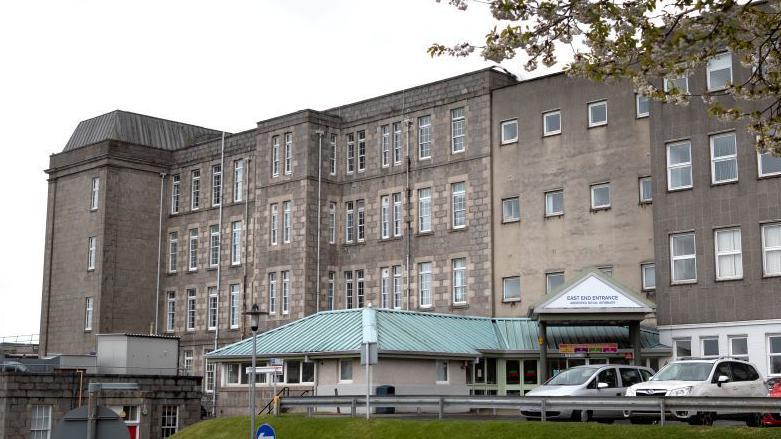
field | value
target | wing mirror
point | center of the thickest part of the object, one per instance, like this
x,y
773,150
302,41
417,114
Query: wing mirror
x,y
722,379
601,385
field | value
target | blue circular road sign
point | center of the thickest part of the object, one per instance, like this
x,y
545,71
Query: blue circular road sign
x,y
266,431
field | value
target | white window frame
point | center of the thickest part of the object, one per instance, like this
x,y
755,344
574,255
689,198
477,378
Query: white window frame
x,y
457,130
272,293
236,243
670,81
591,123
385,213
192,250
332,223
549,212
285,274
94,193
674,258
173,249
41,421
511,219
545,131
642,197
288,153
330,290
214,245
176,185
286,221
458,197
766,249
216,185
712,63
165,429
192,304
170,311
384,287
238,181
385,152
195,189
350,156
548,276
397,143
210,377
595,187
771,354
502,124
425,138
332,159
89,312
235,290
458,268
212,308
341,371
676,341
349,222
359,289
349,290
680,165
424,210
361,150
730,346
274,224
638,114
397,214
396,272
760,171
275,156
724,158
703,339
725,253
92,252
444,365
360,232
505,281
425,295
644,276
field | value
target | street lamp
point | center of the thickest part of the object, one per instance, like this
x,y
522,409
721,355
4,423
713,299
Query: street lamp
x,y
254,314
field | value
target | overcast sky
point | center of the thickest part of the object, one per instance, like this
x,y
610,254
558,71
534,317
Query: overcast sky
x,y
223,65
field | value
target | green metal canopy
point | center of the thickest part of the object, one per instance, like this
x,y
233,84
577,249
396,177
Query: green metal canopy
x,y
409,333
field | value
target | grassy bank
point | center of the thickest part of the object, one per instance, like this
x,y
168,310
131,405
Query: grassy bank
x,y
291,426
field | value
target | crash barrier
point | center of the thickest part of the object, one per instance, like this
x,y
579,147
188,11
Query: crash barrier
x,y
662,406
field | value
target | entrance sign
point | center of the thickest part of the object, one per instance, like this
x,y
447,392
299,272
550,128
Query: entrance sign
x,y
595,293
588,348
265,431
266,369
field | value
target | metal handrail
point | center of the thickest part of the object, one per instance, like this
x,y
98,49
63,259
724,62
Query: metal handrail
x,y
660,405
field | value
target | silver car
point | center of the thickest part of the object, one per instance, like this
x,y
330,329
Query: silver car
x,y
594,380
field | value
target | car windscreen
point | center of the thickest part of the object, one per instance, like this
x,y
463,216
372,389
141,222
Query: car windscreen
x,y
572,377
684,372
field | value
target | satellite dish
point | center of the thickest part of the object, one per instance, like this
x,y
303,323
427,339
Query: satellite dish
x,y
107,426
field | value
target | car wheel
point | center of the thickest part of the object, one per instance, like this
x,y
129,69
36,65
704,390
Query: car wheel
x,y
705,418
754,420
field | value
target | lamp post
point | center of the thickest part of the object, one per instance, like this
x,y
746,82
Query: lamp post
x,y
254,314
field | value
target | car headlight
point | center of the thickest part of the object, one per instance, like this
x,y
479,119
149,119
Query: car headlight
x,y
681,391
630,391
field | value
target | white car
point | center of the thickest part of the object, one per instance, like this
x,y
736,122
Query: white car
x,y
716,377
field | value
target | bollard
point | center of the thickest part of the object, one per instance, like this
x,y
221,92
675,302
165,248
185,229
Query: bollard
x,y
353,403
276,405
662,410
441,408
542,411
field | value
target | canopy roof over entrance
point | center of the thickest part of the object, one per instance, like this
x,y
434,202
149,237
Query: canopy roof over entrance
x,y
415,334
593,297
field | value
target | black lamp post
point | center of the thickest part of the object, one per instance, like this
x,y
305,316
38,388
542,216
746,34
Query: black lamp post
x,y
254,314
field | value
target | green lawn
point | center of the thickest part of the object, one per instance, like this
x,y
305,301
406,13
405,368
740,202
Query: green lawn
x,y
292,426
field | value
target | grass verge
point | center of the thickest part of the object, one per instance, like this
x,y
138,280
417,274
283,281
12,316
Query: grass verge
x,y
293,426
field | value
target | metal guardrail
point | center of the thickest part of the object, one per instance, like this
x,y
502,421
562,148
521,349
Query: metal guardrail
x,y
660,405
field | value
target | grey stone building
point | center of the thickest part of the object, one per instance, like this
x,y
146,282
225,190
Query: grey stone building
x,y
422,200
716,228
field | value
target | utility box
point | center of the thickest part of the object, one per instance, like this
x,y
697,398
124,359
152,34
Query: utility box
x,y
385,391
137,354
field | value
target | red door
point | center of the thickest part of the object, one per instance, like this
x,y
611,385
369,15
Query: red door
x,y
133,430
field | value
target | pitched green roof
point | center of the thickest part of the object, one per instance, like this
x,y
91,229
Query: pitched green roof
x,y
408,332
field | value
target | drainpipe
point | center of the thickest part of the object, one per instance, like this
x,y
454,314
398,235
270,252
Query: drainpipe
x,y
219,263
159,251
408,244
246,240
319,214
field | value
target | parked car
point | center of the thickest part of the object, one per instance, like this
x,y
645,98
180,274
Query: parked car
x,y
594,380
774,391
716,377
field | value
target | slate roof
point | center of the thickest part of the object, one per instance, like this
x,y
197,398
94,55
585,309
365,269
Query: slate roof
x,y
415,333
138,129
